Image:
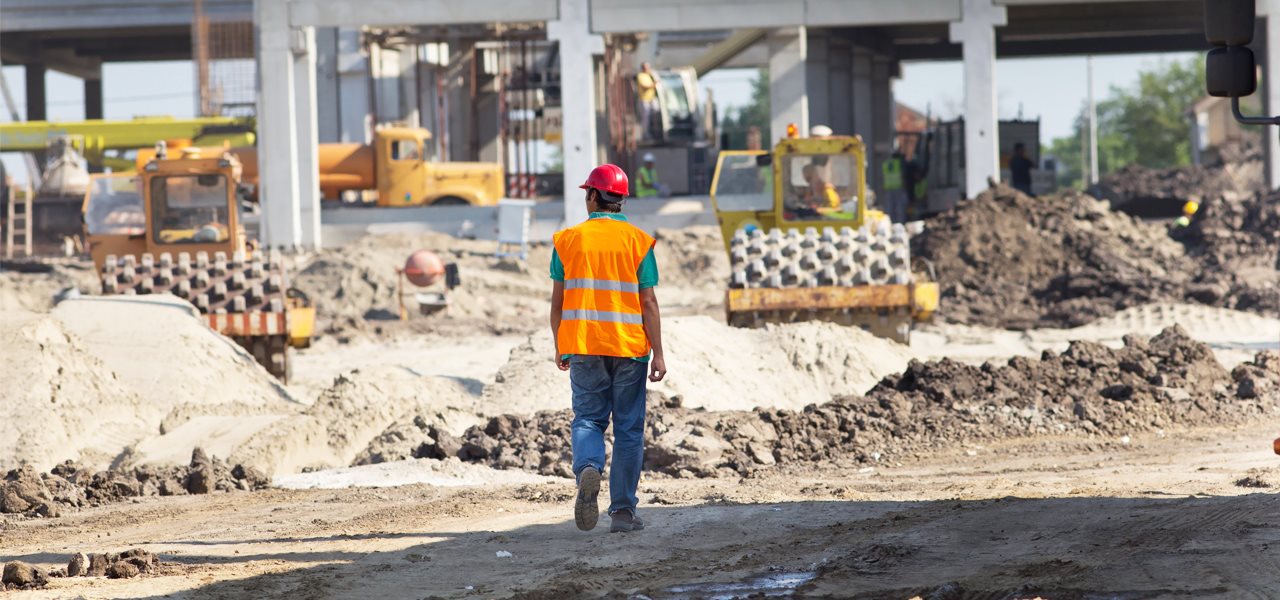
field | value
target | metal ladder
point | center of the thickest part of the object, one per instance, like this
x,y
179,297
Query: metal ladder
x,y
18,222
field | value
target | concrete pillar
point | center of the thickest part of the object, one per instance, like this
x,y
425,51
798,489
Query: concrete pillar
x,y
976,33
460,104
817,80
840,87
304,78
861,99
788,85
328,119
578,48
93,105
1271,93
277,127
37,107
354,114
880,144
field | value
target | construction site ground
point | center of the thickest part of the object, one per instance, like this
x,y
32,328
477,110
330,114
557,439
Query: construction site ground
x,y
1089,416
1170,516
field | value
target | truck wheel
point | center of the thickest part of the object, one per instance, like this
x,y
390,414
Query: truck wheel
x,y
450,201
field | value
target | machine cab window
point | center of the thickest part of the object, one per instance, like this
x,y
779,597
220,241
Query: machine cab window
x,y
744,182
405,150
114,206
819,187
190,209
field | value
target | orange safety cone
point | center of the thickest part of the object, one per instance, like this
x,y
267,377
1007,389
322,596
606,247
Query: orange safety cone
x,y
1276,445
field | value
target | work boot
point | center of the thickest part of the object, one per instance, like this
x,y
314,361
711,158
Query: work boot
x,y
624,521
586,512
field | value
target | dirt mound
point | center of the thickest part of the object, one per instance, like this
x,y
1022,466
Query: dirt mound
x,y
1141,191
61,400
1235,239
1166,381
72,485
717,367
1004,259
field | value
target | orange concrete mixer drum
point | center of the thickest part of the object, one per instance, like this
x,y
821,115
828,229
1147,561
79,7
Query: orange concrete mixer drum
x,y
423,268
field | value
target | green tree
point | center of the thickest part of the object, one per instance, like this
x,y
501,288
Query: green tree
x,y
1144,123
754,113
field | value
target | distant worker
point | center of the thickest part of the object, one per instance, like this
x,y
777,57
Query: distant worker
x,y
1020,169
607,332
647,184
895,187
647,92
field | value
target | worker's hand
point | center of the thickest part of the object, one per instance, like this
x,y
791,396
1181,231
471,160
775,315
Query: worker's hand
x,y
657,369
562,363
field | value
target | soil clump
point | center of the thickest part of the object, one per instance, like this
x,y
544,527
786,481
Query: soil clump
x,y
71,486
1088,390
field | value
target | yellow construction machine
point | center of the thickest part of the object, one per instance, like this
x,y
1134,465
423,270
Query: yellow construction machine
x,y
174,227
803,244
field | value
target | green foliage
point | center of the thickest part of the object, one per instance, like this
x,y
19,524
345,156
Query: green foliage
x,y
755,113
1145,123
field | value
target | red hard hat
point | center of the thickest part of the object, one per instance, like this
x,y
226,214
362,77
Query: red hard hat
x,y
608,178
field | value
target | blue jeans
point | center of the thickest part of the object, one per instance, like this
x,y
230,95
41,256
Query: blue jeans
x,y
604,386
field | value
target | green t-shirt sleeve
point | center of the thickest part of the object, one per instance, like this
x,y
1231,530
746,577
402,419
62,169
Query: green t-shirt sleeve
x,y
647,274
557,267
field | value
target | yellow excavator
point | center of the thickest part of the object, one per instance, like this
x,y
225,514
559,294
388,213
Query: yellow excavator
x,y
174,227
803,244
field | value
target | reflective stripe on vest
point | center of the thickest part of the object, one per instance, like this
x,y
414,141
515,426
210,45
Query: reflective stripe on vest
x,y
601,312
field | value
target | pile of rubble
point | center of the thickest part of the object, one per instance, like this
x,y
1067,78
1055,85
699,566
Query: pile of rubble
x,y
1167,381
1235,241
19,575
1004,259
69,485
1141,191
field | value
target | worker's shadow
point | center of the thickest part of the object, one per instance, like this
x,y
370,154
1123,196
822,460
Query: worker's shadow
x,y
1053,547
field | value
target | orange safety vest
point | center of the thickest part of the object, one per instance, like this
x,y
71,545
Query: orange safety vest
x,y
602,315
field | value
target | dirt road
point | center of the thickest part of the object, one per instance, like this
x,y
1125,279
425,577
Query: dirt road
x,y
1165,516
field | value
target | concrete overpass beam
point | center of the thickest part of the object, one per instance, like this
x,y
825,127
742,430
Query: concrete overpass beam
x,y
788,85
578,49
976,33
277,127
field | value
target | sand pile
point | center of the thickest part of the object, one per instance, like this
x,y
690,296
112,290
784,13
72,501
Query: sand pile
x,y
61,401
73,485
1088,390
33,286
350,415
1004,259
1235,239
1141,191
717,367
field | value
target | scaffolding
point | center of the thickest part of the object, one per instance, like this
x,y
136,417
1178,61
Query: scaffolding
x,y
225,69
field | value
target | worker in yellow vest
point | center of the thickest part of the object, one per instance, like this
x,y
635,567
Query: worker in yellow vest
x,y
647,184
895,190
608,336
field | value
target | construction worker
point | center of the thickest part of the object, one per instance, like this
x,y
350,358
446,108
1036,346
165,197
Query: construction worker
x,y
608,336
821,196
647,93
895,190
1020,169
647,185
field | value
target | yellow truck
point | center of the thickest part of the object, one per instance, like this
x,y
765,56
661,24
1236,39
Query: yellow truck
x,y
174,227
803,245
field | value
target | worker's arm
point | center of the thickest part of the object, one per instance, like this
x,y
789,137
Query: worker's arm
x,y
557,311
653,330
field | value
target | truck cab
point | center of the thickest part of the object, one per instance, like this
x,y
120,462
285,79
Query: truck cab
x,y
407,176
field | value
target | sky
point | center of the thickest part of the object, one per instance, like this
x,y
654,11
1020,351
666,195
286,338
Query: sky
x,y
1052,89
